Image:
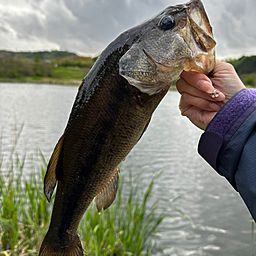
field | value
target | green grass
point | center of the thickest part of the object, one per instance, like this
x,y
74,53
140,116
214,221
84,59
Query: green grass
x,y
24,215
60,75
69,73
126,228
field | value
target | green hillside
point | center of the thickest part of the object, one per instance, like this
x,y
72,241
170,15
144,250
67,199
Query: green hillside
x,y
44,55
246,69
62,67
59,67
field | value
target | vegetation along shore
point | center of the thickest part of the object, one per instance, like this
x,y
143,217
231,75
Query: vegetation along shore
x,y
126,228
55,67
67,68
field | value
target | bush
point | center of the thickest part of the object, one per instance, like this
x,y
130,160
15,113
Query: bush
x,y
244,65
249,81
13,67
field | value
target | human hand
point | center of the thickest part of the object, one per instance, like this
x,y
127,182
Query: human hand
x,y
195,88
225,79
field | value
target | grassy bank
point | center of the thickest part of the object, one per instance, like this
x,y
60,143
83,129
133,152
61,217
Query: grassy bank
x,y
126,228
44,67
60,75
67,68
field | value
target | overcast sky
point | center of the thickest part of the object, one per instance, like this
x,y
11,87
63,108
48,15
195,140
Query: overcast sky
x,y
86,27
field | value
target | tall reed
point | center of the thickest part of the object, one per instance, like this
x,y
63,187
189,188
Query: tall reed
x,y
24,212
126,228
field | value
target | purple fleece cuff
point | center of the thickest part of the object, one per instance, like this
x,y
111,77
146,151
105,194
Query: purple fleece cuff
x,y
225,123
233,114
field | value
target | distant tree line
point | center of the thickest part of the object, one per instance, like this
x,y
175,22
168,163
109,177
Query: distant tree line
x,y
31,64
244,65
43,63
43,55
13,67
246,69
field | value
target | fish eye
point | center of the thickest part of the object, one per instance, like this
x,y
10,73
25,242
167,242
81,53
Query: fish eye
x,y
167,23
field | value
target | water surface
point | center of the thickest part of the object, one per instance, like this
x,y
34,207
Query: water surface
x,y
222,222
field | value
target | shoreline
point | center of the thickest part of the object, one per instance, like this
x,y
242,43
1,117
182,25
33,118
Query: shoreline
x,y
42,80
48,80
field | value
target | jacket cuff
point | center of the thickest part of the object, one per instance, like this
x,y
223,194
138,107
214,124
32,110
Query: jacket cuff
x,y
225,123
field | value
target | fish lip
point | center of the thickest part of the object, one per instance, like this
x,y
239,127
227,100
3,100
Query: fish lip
x,y
202,30
201,42
194,62
198,5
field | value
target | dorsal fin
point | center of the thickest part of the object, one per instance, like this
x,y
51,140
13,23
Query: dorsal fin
x,y
50,179
108,194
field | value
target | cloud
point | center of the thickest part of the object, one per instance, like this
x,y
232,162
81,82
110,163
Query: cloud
x,y
88,26
234,29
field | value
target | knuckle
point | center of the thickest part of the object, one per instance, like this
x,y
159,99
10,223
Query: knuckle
x,y
230,67
185,96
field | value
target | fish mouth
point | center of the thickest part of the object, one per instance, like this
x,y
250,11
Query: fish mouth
x,y
200,24
159,57
201,41
197,37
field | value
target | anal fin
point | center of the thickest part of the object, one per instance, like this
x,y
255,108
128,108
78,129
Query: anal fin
x,y
108,194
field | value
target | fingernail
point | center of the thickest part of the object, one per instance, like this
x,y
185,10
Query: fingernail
x,y
217,94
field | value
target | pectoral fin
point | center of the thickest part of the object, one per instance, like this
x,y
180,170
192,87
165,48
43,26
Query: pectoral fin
x,y
50,179
106,197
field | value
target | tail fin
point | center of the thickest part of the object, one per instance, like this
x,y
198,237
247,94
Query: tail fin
x,y
48,248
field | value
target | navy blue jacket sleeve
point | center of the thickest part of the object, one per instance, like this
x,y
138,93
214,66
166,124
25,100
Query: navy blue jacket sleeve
x,y
229,145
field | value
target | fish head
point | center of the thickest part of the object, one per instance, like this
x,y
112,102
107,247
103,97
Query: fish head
x,y
179,38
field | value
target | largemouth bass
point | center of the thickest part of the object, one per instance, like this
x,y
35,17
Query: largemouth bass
x,y
112,110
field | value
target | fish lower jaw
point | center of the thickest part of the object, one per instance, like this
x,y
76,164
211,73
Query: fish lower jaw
x,y
149,87
200,63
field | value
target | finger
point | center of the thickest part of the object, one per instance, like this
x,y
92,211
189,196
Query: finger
x,y
198,80
187,101
199,117
184,87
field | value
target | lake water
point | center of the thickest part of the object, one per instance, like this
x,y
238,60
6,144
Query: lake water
x,y
222,222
